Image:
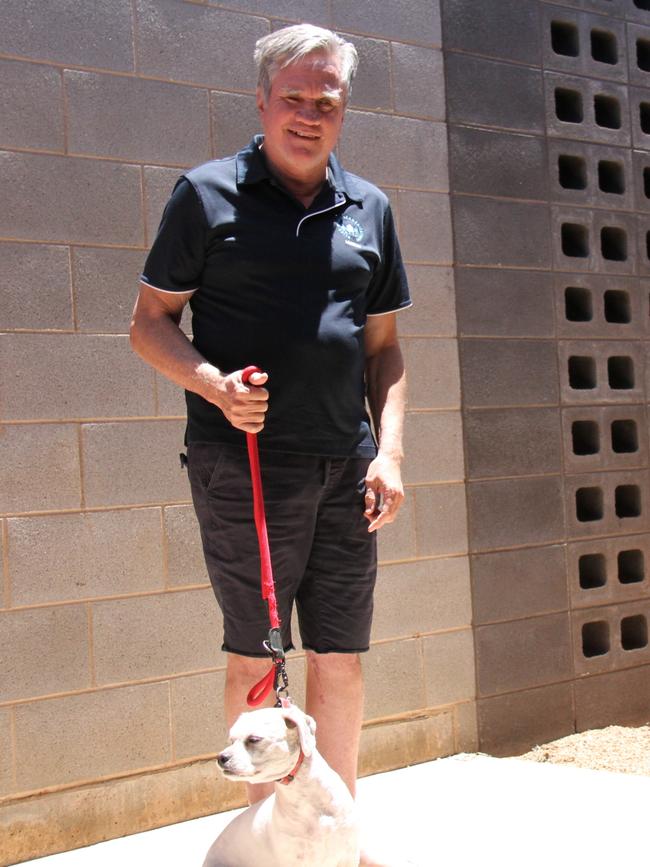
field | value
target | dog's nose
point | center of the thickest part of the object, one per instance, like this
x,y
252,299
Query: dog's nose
x,y
222,760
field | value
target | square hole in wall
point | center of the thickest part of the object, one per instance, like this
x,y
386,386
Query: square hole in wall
x,y
565,39
625,436
642,4
643,54
595,638
611,177
589,504
646,182
613,243
620,372
572,172
631,567
647,244
582,372
575,240
627,501
578,306
585,438
644,117
568,105
607,111
634,632
617,306
603,46
592,571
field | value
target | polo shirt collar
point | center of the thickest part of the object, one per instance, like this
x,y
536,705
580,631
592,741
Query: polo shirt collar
x,y
252,168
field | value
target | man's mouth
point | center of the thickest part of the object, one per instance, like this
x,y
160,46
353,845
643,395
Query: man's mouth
x,y
309,136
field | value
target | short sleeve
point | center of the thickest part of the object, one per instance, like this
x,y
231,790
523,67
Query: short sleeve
x,y
175,261
388,290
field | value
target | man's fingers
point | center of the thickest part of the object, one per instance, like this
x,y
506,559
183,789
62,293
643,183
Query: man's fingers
x,y
371,501
258,379
391,501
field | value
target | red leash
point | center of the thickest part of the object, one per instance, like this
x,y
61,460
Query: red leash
x,y
274,643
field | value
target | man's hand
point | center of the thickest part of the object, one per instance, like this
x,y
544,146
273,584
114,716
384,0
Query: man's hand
x,y
384,491
244,405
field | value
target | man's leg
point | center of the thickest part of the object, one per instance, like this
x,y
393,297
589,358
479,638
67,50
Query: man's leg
x,y
242,673
335,701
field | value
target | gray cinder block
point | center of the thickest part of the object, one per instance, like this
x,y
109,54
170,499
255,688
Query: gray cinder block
x,y
512,442
504,303
69,32
134,119
31,106
509,31
509,512
600,306
186,42
410,21
29,301
491,163
606,504
492,232
542,715
510,585
522,654
608,571
63,199
489,93
508,372
585,108
580,43
52,736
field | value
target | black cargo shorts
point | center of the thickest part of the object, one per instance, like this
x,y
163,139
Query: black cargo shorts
x,y
322,554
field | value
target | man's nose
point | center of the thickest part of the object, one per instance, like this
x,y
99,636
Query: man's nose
x,y
308,113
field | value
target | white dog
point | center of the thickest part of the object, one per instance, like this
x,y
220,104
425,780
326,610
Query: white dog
x,y
309,820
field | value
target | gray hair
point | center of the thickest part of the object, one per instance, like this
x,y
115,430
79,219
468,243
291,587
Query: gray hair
x,y
285,46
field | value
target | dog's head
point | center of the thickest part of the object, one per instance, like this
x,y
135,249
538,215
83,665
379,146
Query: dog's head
x,y
265,744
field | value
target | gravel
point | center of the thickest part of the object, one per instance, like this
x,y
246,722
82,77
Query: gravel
x,y
625,750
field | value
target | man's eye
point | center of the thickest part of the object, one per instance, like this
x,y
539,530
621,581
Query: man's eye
x,y
326,106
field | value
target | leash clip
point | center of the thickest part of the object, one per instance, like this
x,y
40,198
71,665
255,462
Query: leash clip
x,y
273,644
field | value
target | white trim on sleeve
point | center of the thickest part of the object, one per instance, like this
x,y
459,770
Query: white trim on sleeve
x,y
167,291
386,312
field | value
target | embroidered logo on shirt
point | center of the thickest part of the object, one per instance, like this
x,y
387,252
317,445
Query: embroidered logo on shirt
x,y
349,228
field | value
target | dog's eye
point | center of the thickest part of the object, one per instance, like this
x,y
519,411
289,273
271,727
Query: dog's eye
x,y
252,739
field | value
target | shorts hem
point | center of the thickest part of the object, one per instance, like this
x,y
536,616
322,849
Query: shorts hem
x,y
260,655
335,650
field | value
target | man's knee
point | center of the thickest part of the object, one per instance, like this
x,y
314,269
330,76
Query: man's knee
x,y
246,666
327,665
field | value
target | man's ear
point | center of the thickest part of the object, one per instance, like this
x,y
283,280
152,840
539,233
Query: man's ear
x,y
306,726
259,100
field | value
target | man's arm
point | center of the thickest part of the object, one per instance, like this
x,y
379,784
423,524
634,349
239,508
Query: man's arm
x,y
386,385
157,338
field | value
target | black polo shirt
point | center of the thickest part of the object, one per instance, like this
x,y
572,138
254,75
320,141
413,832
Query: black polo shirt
x,y
285,288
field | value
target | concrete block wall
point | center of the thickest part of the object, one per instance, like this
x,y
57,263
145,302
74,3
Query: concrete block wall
x,y
110,696
548,153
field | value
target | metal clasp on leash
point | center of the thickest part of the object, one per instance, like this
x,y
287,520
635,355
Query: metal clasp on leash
x,y
273,645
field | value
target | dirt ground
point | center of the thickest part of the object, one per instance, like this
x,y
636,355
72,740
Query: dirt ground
x,y
623,749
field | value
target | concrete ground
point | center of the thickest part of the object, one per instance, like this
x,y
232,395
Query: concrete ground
x,y
462,810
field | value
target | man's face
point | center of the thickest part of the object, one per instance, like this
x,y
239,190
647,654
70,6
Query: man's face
x,y
303,115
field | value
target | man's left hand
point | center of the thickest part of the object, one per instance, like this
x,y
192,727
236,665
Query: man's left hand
x,y
384,492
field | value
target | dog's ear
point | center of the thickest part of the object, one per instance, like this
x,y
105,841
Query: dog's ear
x,y
306,726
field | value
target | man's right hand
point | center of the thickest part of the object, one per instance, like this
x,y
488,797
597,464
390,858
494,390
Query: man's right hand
x,y
244,405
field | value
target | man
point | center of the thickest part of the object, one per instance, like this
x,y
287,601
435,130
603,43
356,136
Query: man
x,y
291,264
